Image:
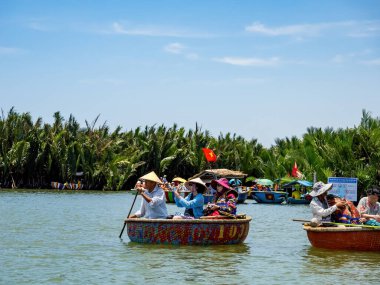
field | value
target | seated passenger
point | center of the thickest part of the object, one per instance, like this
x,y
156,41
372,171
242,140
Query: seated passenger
x,y
193,202
347,215
224,203
369,207
296,194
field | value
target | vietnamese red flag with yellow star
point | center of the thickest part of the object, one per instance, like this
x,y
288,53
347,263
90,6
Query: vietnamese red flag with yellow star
x,y
209,154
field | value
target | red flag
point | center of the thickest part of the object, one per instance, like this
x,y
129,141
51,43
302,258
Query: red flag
x,y
295,170
209,154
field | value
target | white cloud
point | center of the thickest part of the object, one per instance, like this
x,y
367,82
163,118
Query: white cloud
x,y
350,28
291,30
249,61
375,62
174,48
192,56
10,50
365,29
155,31
39,27
177,48
340,58
120,29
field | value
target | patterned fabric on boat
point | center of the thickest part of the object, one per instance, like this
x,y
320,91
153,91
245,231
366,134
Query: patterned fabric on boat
x,y
349,215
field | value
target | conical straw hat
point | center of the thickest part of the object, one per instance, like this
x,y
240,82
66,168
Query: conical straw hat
x,y
196,180
151,176
179,179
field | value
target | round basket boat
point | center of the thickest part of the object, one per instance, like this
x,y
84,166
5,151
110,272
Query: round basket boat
x,y
188,232
351,238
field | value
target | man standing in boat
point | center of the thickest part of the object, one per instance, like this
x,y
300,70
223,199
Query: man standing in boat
x,y
319,205
153,204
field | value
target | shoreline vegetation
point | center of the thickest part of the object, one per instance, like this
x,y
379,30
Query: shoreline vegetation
x,y
33,153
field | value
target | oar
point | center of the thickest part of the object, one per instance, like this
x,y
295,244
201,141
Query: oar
x,y
299,220
125,222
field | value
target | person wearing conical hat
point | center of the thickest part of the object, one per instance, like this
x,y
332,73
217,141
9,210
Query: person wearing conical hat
x,y
319,205
153,204
194,201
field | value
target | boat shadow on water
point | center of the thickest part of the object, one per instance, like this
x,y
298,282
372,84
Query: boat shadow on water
x,y
241,248
324,260
211,259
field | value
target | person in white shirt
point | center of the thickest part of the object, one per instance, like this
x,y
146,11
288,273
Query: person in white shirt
x,y
369,207
153,204
319,206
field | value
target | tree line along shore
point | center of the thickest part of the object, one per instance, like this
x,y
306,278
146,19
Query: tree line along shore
x,y
33,153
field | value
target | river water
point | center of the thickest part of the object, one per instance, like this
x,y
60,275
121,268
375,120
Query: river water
x,y
51,237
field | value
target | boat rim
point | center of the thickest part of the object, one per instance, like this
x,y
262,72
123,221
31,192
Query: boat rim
x,y
256,191
339,229
189,221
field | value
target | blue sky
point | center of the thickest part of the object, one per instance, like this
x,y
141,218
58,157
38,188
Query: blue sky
x,y
260,69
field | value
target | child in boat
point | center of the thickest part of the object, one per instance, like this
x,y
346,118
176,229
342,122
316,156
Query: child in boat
x,y
224,203
369,207
193,202
347,215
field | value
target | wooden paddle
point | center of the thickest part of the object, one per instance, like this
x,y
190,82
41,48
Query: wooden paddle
x,y
125,222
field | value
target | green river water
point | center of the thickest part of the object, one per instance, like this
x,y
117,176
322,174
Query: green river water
x,y
50,237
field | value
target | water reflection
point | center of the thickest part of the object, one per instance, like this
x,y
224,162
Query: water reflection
x,y
322,263
217,262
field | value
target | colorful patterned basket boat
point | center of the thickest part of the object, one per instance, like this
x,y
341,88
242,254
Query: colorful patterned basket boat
x,y
188,232
351,238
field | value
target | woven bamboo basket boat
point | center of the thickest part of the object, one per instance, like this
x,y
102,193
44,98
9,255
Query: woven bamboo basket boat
x,y
350,238
188,232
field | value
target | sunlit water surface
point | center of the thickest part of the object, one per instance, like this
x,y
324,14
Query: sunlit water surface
x,y
49,237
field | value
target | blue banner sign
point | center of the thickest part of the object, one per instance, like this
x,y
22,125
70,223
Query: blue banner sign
x,y
344,187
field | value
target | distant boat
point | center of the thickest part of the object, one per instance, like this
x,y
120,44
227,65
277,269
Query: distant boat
x,y
269,197
305,199
297,196
69,186
242,194
188,232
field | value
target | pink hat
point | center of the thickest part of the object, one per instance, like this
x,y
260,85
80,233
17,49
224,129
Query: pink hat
x,y
221,181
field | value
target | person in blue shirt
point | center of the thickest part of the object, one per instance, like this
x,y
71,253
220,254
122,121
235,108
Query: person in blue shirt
x,y
193,202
